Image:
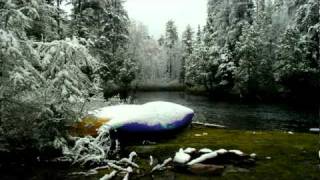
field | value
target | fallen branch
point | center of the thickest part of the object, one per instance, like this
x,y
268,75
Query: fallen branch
x,y
161,167
109,176
208,124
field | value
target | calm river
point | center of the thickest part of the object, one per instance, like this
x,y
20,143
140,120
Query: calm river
x,y
238,115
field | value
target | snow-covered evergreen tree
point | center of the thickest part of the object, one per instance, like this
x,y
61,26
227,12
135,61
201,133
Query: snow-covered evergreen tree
x,y
247,50
42,83
199,35
173,48
105,23
187,45
297,66
222,32
195,66
171,34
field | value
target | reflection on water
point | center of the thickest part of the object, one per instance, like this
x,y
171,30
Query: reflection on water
x,y
237,115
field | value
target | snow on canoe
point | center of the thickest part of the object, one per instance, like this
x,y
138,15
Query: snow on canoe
x,y
152,117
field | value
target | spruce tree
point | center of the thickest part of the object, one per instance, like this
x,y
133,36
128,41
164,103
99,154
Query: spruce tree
x,y
187,44
170,43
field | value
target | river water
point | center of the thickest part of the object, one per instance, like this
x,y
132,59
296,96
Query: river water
x,y
240,115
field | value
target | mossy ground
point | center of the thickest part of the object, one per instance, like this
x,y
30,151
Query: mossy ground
x,y
293,156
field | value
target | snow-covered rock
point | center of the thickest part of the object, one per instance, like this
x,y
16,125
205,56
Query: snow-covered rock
x,y
237,152
206,161
205,150
181,157
203,158
221,151
189,150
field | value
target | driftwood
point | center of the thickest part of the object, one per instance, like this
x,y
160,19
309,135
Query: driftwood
x,y
208,124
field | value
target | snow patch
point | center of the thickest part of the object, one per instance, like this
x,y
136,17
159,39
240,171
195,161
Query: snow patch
x,y
151,160
205,150
314,129
221,151
189,150
203,158
253,155
160,167
181,157
237,152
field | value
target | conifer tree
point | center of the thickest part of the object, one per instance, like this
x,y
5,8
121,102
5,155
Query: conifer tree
x,y
187,44
171,45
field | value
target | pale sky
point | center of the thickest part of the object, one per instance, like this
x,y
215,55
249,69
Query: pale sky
x,y
155,13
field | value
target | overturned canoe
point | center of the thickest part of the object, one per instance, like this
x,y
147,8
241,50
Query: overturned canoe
x,y
150,118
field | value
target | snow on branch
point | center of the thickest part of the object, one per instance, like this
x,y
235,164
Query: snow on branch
x,y
109,176
160,167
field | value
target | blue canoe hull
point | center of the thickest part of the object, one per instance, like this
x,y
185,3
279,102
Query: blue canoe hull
x,y
143,128
133,133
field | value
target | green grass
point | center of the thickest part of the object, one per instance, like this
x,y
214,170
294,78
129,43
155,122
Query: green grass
x,y
293,156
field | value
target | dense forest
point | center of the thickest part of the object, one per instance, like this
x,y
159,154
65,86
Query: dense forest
x,y
256,50
53,62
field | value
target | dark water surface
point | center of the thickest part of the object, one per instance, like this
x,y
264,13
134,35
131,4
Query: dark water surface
x,y
240,115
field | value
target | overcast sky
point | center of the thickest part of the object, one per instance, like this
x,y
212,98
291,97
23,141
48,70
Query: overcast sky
x,y
155,13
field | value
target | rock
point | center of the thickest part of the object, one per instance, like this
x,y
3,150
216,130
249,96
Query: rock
x,y
206,169
233,169
247,162
230,158
164,175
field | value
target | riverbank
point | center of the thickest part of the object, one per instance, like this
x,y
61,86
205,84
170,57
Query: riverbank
x,y
280,155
